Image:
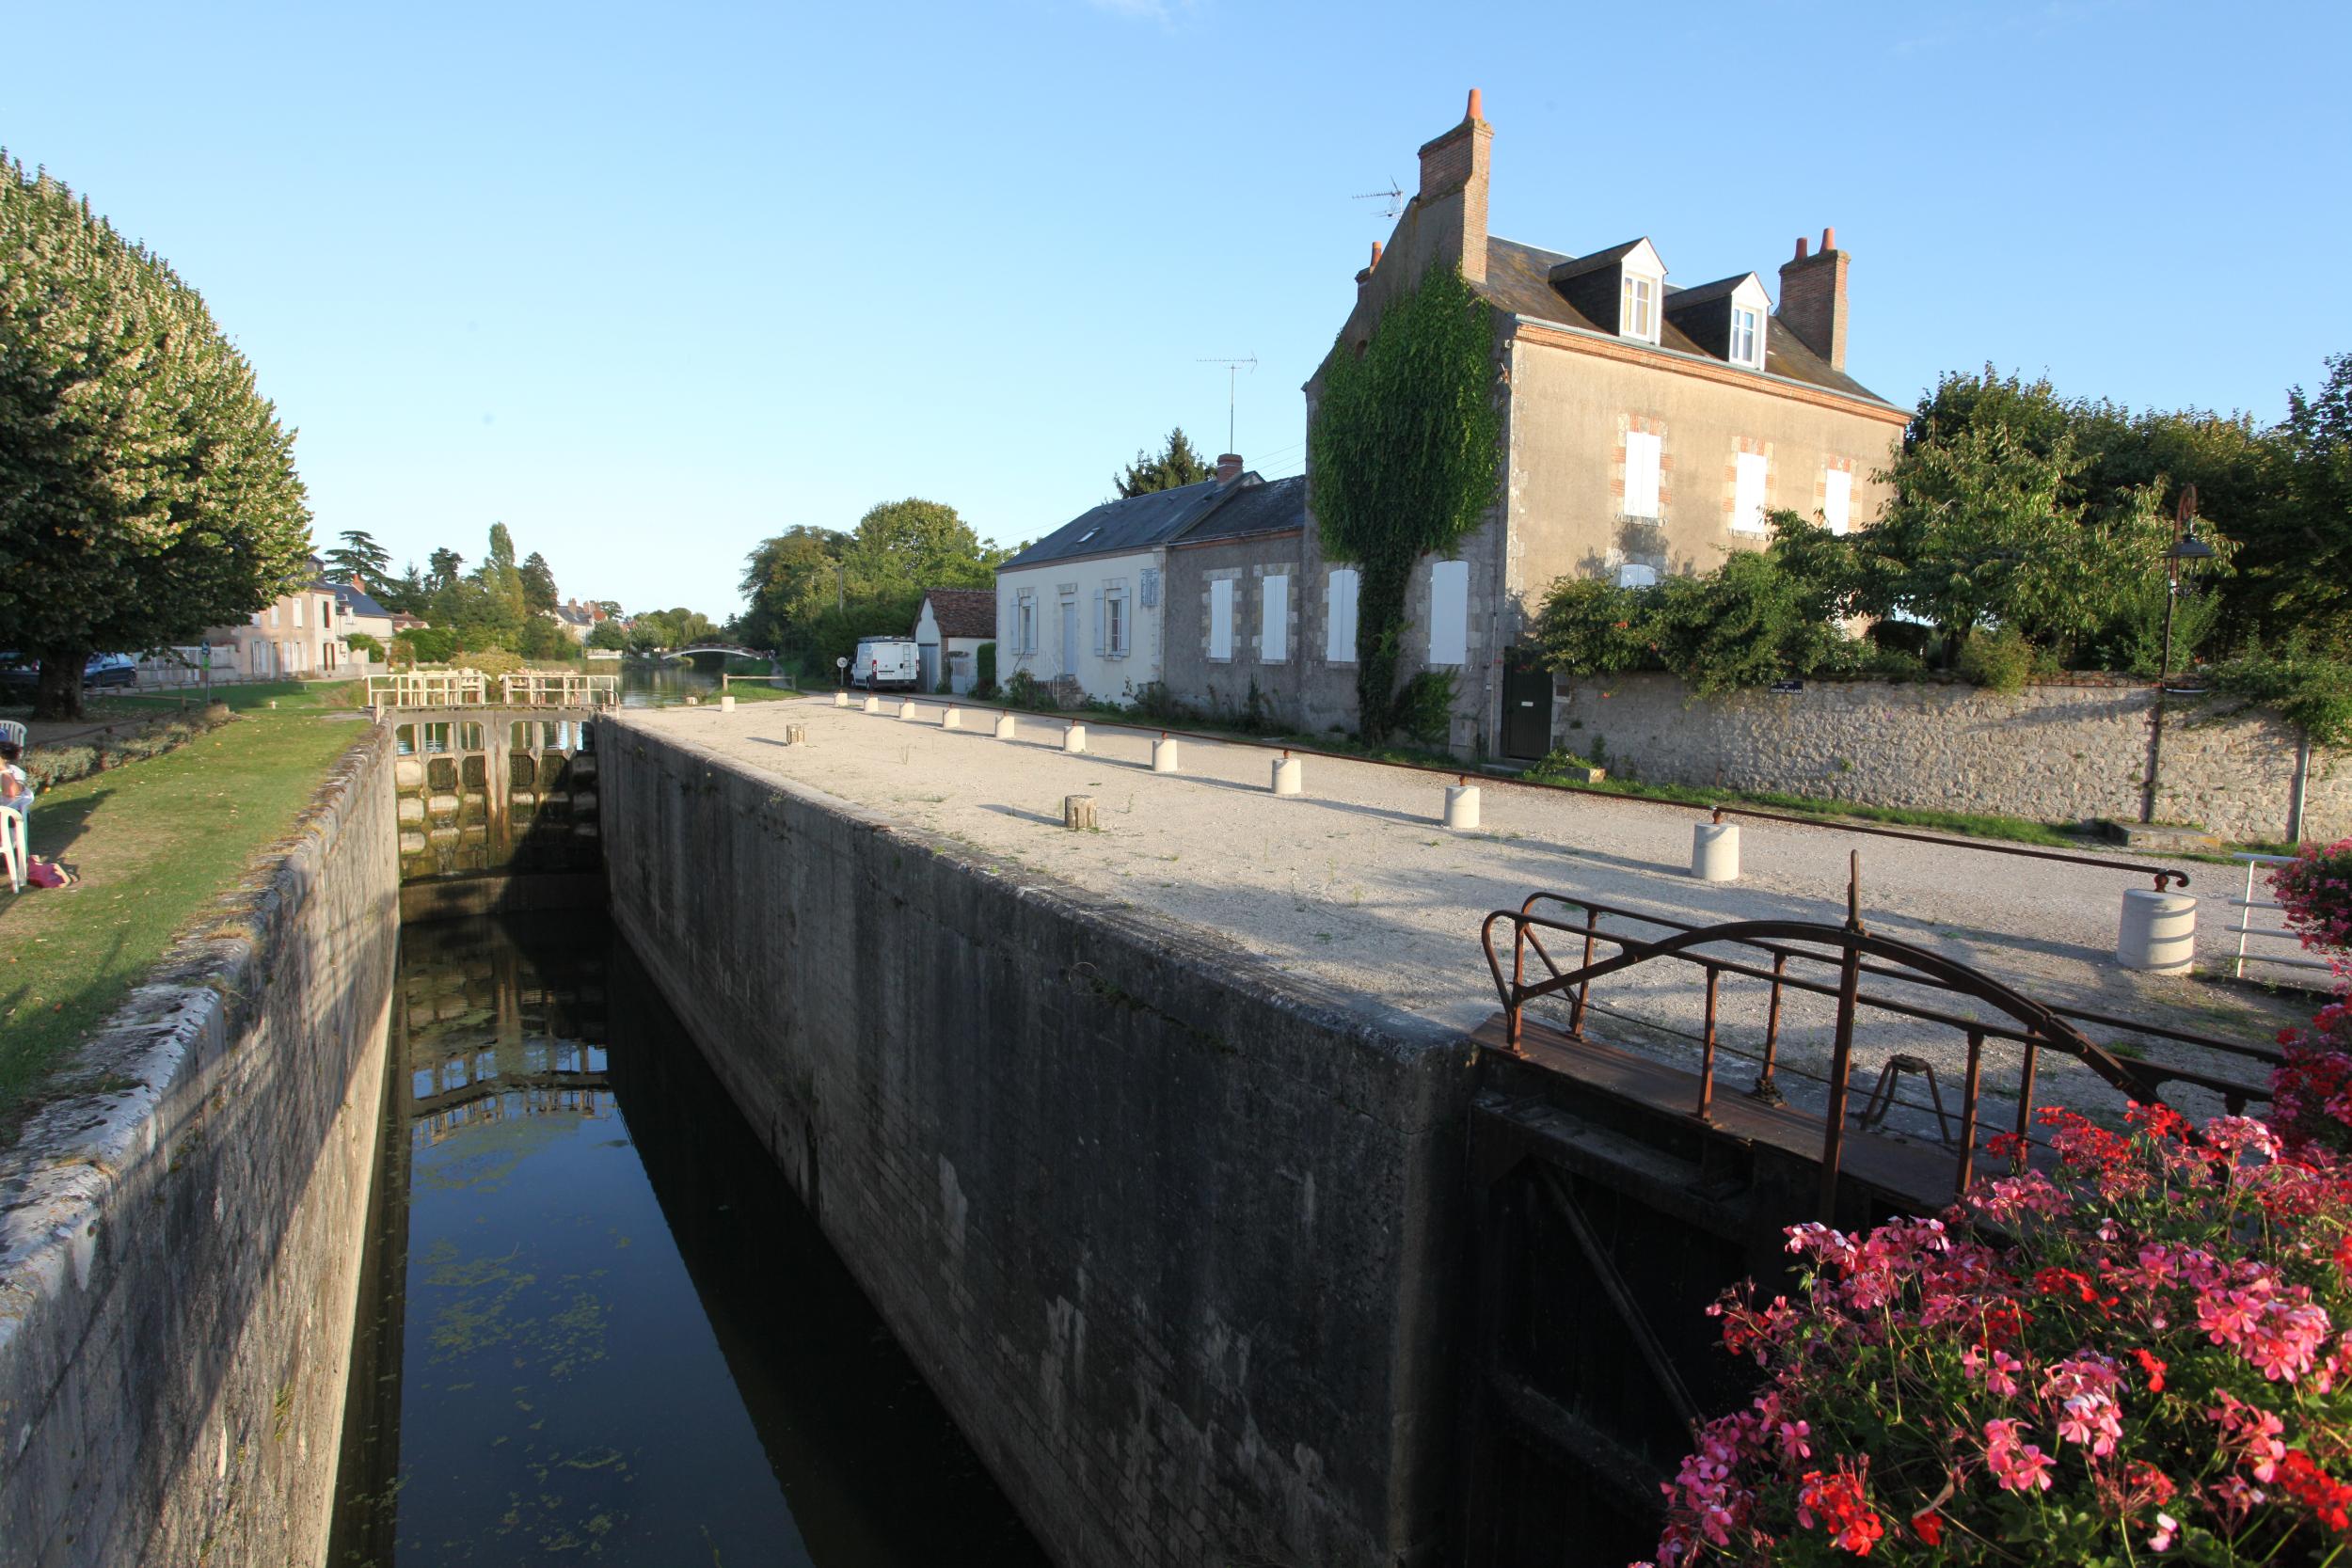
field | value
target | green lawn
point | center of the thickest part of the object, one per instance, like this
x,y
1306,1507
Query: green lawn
x,y
155,844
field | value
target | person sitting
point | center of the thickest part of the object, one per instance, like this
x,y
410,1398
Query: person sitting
x,y
16,795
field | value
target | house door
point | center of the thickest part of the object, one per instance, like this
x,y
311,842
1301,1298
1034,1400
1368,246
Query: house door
x,y
928,653
1070,637
1526,706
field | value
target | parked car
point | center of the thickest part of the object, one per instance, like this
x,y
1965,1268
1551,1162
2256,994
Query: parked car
x,y
882,662
111,670
18,673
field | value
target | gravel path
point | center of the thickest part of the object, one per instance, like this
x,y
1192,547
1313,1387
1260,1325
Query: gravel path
x,y
1356,883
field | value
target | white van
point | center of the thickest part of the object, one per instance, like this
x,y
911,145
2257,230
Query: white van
x,y
886,661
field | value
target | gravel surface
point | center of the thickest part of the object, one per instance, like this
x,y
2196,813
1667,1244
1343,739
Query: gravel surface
x,y
1356,883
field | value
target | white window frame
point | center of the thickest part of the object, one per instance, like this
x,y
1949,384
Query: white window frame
x,y
1221,620
1837,499
1025,621
1644,454
1120,629
1753,321
1751,494
1274,619
1449,612
1341,589
1640,295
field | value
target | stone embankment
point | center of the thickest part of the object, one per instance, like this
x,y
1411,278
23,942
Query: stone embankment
x,y
180,1227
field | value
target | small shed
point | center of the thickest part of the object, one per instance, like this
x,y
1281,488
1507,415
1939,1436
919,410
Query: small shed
x,y
948,631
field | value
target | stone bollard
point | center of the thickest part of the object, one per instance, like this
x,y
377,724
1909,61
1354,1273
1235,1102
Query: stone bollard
x,y
906,708
951,720
726,704
1290,774
2158,931
1007,727
690,701
1163,754
873,705
796,735
1077,814
1715,851
1461,806
1074,739
841,699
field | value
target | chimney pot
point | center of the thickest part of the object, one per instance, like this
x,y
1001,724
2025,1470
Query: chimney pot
x,y
1800,247
1376,256
1473,105
1829,240
1228,467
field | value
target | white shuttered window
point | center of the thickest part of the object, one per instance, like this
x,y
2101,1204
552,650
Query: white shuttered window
x,y
1747,495
1273,622
1449,612
1339,620
1643,449
1221,618
1837,499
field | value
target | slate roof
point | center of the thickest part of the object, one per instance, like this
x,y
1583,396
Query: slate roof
x,y
963,611
1519,279
1135,523
1682,299
576,615
355,602
1270,508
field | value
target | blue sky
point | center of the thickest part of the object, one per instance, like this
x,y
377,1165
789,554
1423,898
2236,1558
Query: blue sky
x,y
649,283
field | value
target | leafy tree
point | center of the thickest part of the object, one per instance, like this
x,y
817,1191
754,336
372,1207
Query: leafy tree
x,y
425,645
147,489
2303,555
405,594
611,606
358,556
1404,456
607,634
650,634
542,637
787,582
1177,463
441,569
538,580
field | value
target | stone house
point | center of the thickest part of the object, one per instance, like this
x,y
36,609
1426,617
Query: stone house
x,y
357,612
1235,592
300,634
1648,429
950,630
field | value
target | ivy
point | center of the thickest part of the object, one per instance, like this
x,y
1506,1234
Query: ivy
x,y
1405,454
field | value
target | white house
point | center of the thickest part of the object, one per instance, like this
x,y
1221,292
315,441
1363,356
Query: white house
x,y
1085,606
948,633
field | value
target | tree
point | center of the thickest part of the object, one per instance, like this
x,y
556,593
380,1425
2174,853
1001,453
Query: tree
x,y
405,594
441,568
787,582
2303,555
538,580
611,606
147,489
1177,463
544,637
358,556
607,634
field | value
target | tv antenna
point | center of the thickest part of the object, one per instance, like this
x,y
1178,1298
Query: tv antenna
x,y
1232,376
1392,196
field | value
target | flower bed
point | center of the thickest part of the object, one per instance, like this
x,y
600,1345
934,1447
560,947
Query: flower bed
x,y
2144,1356
2315,887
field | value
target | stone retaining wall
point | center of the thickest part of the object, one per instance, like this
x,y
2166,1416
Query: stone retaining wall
x,y
180,1234
1173,1236
2053,753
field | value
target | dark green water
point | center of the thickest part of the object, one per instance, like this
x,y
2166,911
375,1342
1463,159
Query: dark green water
x,y
596,1325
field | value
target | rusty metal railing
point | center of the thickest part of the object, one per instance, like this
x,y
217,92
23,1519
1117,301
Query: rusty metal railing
x,y
1778,953
2164,875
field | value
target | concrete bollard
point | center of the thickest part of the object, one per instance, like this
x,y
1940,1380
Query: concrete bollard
x,y
906,708
951,720
726,704
1077,814
1715,851
1163,754
841,699
1074,739
2158,932
690,701
1461,806
1007,727
1290,774
796,735
873,705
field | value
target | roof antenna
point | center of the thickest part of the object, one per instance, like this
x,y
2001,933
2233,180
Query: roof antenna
x,y
1393,197
1233,374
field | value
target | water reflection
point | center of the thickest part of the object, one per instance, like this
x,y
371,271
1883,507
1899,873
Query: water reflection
x,y
653,682
597,1324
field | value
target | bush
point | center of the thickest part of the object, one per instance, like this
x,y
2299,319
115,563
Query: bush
x,y
1591,626
1997,660
2145,1353
1026,690
1425,709
426,644
362,645
984,670
51,765
2315,887
2309,690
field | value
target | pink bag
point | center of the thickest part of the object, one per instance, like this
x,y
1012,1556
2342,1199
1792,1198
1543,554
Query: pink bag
x,y
44,874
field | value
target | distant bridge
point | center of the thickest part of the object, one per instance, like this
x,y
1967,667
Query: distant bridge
x,y
728,648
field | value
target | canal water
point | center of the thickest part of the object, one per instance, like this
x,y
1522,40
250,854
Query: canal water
x,y
654,682
596,1325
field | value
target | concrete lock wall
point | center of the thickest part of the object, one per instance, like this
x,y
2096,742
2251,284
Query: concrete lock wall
x,y
2054,753
1172,1237
179,1231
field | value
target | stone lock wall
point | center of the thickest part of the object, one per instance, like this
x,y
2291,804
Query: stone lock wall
x,y
1172,1236
180,1227
2054,753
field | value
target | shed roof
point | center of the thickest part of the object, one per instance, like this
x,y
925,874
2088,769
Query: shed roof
x,y
963,611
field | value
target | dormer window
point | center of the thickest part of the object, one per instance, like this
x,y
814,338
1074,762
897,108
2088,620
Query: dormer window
x,y
1637,307
1747,337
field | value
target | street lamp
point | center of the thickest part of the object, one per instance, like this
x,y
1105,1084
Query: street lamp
x,y
2184,559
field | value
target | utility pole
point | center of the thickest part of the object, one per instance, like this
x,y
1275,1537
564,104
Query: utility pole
x,y
1232,376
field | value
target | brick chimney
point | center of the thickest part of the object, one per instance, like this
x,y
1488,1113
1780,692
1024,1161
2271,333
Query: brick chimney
x,y
1228,467
1453,191
1813,299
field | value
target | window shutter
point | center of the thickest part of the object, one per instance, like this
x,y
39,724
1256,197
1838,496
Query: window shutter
x,y
1837,499
1748,492
1642,452
1449,612
1100,647
1221,618
1274,633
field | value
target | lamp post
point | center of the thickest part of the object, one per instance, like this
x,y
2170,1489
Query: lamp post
x,y
2186,547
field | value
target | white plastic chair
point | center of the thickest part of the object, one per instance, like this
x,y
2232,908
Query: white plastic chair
x,y
11,732
12,846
